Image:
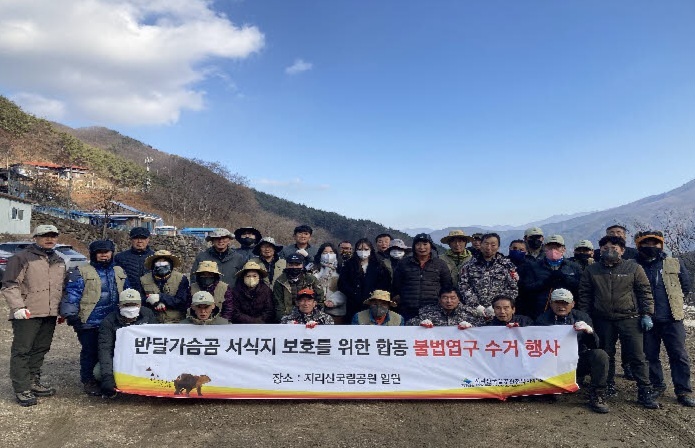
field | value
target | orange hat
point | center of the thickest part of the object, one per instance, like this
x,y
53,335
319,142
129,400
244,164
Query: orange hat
x,y
306,292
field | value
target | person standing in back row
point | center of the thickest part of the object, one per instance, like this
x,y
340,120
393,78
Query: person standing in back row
x,y
133,260
302,244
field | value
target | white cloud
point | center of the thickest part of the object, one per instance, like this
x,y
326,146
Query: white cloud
x,y
40,106
116,61
296,184
299,66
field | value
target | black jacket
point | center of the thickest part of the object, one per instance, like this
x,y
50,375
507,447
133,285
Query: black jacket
x,y
358,285
538,280
417,287
107,341
585,341
133,263
523,321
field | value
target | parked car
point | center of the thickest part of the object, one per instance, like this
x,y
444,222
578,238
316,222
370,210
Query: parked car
x,y
71,257
4,255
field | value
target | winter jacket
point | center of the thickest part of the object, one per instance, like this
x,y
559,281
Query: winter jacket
x,y
133,263
174,293
365,317
482,280
617,292
440,317
670,283
274,269
249,306
358,285
297,317
520,319
328,282
228,262
34,280
219,290
455,264
214,319
540,279
107,341
292,248
585,341
284,293
91,293
417,286
245,252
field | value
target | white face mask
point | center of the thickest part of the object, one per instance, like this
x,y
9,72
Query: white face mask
x,y
363,254
328,259
130,312
251,282
397,254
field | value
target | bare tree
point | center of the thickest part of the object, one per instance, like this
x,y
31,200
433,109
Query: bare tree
x,y
678,227
105,204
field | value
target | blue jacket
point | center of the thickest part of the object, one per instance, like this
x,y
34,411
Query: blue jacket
x,y
133,263
108,301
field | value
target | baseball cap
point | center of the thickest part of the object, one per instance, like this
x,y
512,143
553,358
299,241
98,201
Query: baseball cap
x,y
561,295
556,239
584,243
533,231
202,298
129,296
295,258
45,229
139,232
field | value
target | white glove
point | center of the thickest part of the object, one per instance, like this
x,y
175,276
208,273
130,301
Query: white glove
x,y
152,298
463,325
311,324
480,310
583,326
513,325
160,307
426,323
303,253
22,313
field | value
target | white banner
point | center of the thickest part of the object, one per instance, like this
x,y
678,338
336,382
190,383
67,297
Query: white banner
x,y
344,362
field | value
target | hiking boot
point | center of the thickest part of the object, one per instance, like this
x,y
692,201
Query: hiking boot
x,y
597,401
627,373
686,400
645,395
611,391
92,388
658,391
26,398
41,390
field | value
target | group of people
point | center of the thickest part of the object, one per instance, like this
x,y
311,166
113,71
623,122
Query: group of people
x,y
635,295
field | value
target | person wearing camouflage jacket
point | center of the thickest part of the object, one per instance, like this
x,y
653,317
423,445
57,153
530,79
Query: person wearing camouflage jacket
x,y
448,311
457,255
488,275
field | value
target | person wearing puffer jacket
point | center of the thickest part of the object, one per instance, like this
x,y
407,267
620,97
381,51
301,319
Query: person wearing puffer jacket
x,y
91,294
419,278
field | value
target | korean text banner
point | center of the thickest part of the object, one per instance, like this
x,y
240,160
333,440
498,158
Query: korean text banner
x,y
344,362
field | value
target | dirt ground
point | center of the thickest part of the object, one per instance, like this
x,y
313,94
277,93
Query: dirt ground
x,y
72,419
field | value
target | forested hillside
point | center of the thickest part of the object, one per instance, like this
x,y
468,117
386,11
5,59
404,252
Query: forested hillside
x,y
185,192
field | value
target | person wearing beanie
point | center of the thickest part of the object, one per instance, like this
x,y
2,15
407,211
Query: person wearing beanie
x,y
91,293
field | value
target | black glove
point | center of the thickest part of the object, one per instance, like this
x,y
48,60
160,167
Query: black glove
x,y
73,321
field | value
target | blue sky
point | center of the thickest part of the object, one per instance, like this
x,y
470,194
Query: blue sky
x,y
409,113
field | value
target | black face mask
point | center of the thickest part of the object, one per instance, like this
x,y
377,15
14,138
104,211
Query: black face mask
x,y
293,273
161,271
205,282
650,252
534,243
582,257
247,241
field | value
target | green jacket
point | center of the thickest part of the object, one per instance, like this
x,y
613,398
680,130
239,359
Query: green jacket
x,y
282,293
456,264
617,292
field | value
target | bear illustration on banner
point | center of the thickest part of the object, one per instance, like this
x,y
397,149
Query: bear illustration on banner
x,y
188,382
